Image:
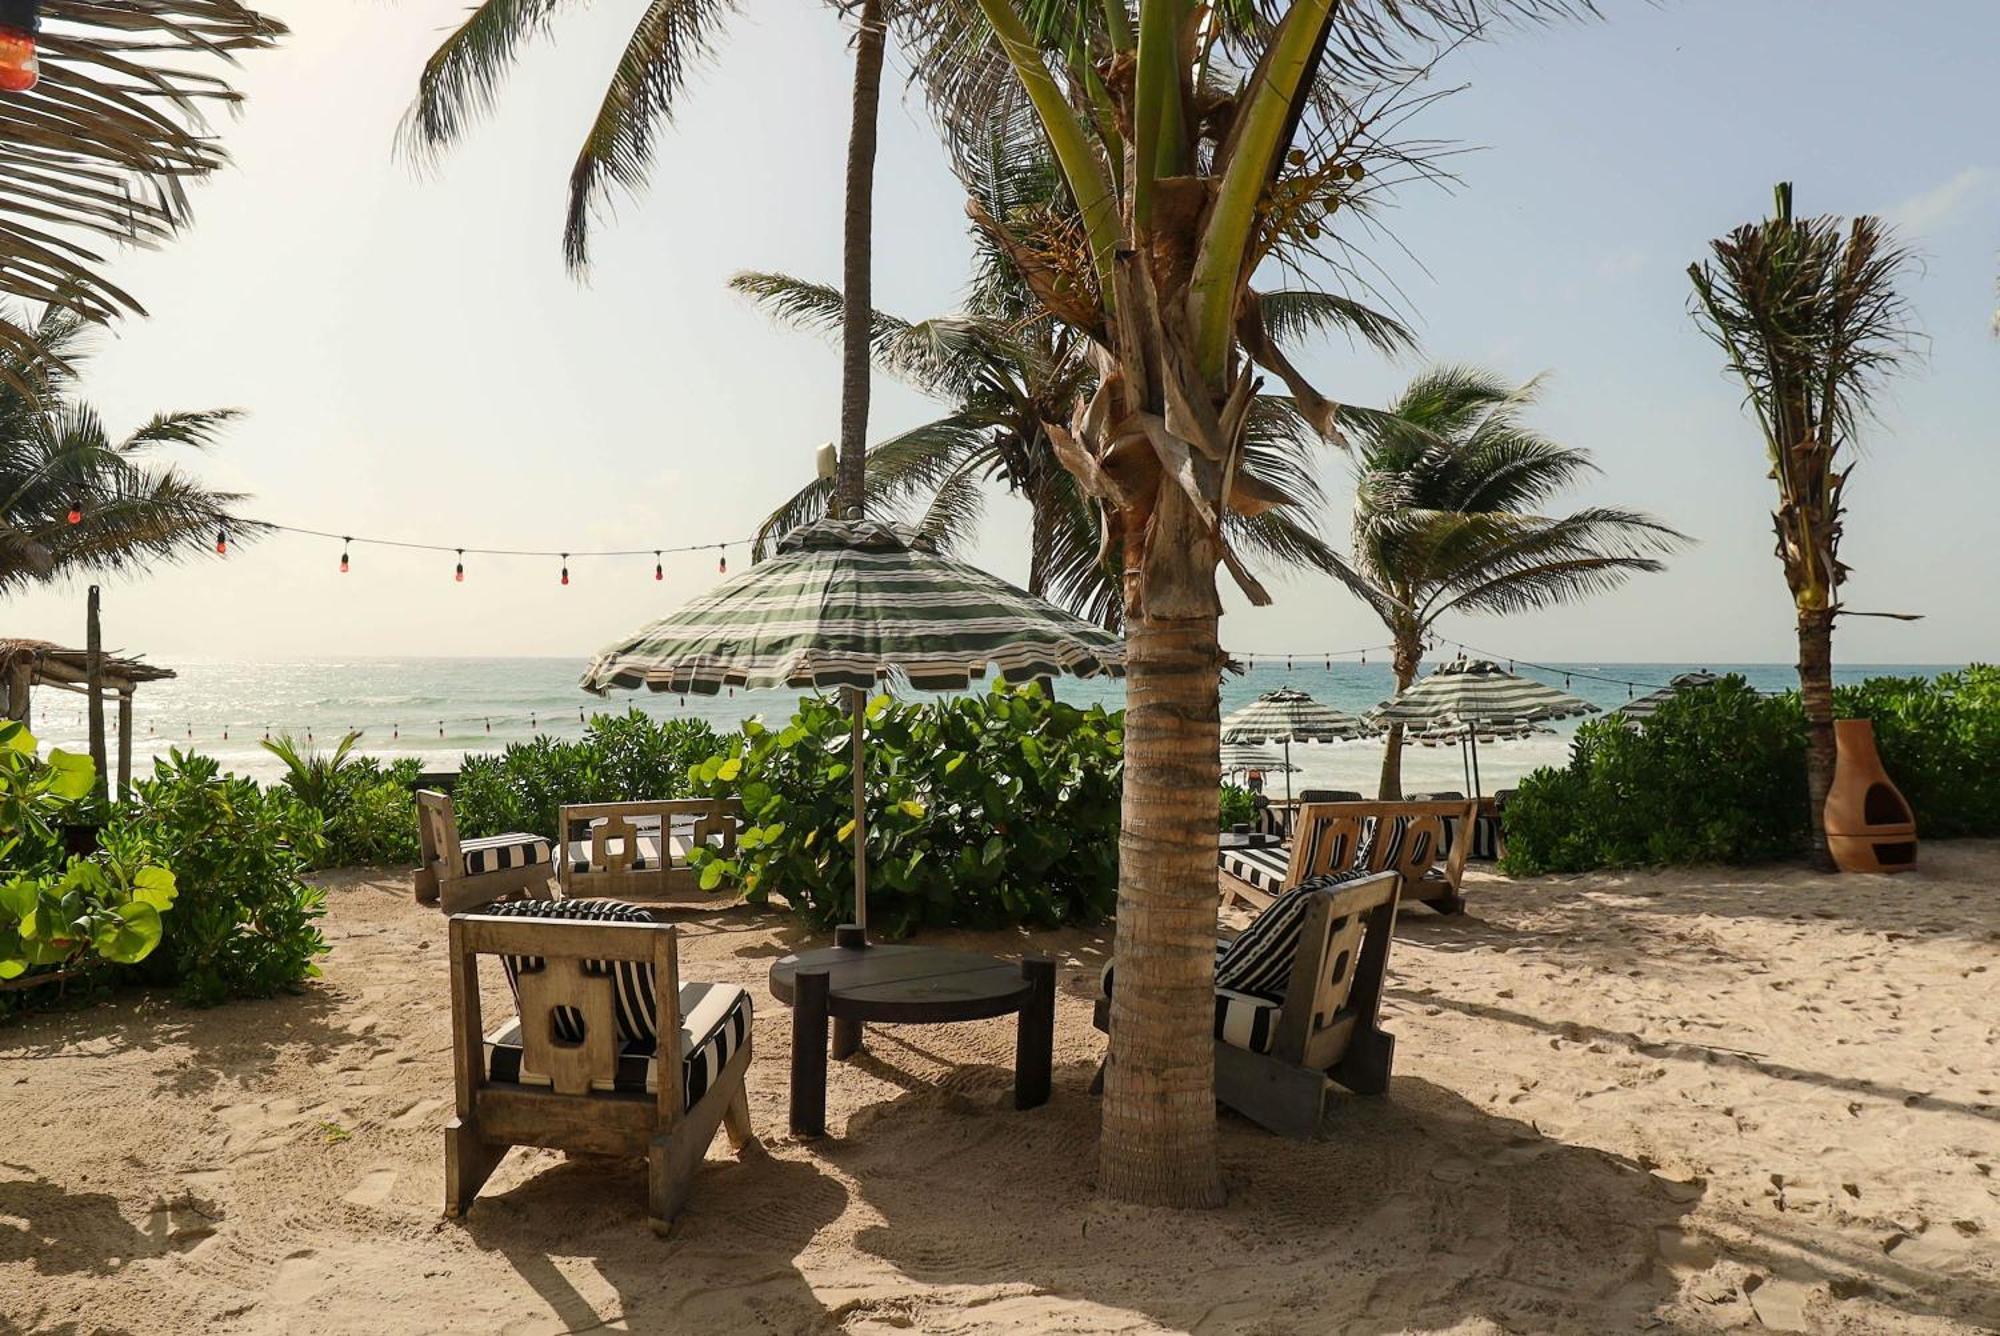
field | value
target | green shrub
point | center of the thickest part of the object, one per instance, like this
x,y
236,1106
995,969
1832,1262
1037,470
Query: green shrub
x,y
982,811
1239,805
1717,775
367,810
244,923
1940,742
619,758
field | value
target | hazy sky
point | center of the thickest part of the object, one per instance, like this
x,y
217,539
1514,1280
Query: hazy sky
x,y
415,363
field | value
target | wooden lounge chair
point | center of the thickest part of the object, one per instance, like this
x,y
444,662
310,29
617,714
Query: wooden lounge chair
x,y
1487,845
1317,957
576,1069
638,850
462,875
1341,837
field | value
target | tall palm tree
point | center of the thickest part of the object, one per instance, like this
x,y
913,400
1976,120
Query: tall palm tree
x,y
1251,140
669,40
72,499
102,148
1808,317
1449,489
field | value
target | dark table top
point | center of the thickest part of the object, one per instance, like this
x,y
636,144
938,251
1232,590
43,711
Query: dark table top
x,y
907,984
1246,839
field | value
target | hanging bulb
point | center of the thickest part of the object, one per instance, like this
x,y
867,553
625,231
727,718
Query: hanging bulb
x,y
1288,663
565,574
343,554
532,723
1565,681
459,573
20,61
659,571
76,513
395,732
722,563
489,725
222,542
440,728
225,735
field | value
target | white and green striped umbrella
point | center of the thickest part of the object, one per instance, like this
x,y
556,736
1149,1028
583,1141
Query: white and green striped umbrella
x,y
1235,760
1646,707
1290,715
1473,691
848,603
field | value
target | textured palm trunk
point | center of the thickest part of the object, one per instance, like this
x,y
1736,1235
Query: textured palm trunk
x,y
1409,656
1159,1141
1816,689
857,295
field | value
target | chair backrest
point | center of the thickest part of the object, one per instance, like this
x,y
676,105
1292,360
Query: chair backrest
x,y
1342,955
1406,837
437,827
602,823
563,991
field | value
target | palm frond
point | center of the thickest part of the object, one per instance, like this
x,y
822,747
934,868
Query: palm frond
x,y
1295,314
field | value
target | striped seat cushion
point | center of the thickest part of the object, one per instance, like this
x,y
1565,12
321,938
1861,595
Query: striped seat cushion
x,y
500,853
1259,962
1263,867
679,842
715,1023
1241,1020
633,997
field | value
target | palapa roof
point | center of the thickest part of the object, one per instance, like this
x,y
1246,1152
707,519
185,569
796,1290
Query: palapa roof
x,y
50,662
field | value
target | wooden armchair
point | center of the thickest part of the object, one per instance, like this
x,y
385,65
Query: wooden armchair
x,y
1274,1054
567,1073
638,850
1406,837
463,874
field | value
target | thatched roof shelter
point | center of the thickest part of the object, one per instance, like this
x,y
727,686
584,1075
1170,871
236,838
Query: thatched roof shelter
x,y
27,664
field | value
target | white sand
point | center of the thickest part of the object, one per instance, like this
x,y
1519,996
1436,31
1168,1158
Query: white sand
x,y
1688,1102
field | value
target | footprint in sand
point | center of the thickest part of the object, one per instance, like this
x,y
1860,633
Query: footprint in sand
x,y
257,1128
417,1115
299,1277
373,1189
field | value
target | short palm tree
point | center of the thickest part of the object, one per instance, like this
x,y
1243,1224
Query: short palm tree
x,y
1807,315
72,499
1449,492
104,146
667,42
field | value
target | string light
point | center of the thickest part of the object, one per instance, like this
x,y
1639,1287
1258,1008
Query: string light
x,y
659,571
565,574
76,512
343,554
20,62
459,573
222,542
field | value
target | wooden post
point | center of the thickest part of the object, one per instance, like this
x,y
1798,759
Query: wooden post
x,y
125,744
1035,1035
20,674
94,678
809,1016
847,1032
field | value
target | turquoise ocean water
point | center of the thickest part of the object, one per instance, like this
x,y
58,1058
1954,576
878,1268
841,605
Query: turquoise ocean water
x,y
439,709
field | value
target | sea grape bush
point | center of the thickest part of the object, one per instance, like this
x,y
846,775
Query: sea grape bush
x,y
245,923
1718,775
618,758
367,808
983,811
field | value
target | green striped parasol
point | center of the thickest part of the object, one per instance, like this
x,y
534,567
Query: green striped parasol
x,y
1646,707
1480,694
849,603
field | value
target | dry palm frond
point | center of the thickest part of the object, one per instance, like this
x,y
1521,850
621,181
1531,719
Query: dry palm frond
x,y
100,151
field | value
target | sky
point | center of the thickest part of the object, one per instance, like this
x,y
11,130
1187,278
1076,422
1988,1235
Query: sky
x,y
414,362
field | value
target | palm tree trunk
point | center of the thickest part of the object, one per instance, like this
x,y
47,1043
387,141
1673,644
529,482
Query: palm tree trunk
x,y
1159,1141
857,294
1816,689
1409,656
1042,522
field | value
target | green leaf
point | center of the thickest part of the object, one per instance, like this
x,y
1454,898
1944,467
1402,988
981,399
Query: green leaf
x,y
70,776
711,876
129,934
154,886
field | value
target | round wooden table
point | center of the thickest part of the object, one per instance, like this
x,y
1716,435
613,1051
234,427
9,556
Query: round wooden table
x,y
853,982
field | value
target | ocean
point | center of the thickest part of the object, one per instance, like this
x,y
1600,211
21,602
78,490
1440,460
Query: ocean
x,y
439,709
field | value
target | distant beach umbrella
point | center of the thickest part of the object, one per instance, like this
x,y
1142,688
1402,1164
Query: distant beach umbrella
x,y
1236,760
1479,693
1646,707
1289,715
850,603
1446,733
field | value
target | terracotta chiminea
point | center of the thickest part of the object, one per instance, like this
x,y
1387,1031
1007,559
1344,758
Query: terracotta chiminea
x,y
1869,828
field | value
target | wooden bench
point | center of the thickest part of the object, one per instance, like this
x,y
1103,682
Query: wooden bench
x,y
638,850
464,874
1331,837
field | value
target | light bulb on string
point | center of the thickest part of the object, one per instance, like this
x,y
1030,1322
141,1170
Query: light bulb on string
x,y
722,562
222,542
565,570
20,59
489,725
659,571
458,574
344,543
75,512
440,728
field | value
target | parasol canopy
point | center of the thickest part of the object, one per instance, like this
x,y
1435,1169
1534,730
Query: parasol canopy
x,y
1290,715
1240,758
1646,707
1477,691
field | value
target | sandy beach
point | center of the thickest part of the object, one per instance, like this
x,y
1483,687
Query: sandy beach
x,y
1692,1101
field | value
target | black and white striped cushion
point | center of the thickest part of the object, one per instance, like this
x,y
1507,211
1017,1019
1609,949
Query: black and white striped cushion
x,y
500,853
1241,1020
1263,867
1259,963
715,1023
633,997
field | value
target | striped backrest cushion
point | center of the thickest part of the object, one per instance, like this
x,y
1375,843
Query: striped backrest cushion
x,y
1260,961
633,996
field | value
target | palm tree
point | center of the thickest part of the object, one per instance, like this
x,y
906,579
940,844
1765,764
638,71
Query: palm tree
x,y
102,148
669,40
73,500
1252,138
1449,488
1807,315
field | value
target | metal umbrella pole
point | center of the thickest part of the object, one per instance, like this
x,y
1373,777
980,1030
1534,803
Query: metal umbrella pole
x,y
857,703
1288,769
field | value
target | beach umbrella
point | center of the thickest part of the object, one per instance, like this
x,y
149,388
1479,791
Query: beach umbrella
x,y
1646,707
851,603
1240,758
1478,693
1289,715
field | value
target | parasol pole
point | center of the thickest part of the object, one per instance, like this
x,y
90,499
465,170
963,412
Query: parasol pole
x,y
857,701
1288,769
1472,733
